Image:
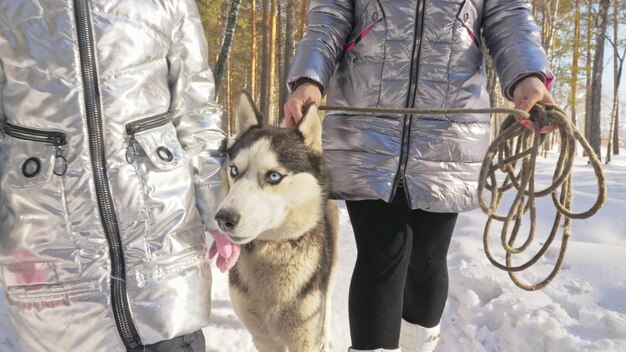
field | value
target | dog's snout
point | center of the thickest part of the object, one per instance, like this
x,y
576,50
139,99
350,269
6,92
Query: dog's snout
x,y
227,219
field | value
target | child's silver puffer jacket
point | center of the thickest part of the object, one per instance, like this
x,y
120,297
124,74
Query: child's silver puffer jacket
x,y
109,138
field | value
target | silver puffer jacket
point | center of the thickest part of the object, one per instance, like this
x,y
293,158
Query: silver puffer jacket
x,y
413,53
110,137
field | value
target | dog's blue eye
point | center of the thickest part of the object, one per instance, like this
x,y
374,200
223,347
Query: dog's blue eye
x,y
233,171
274,177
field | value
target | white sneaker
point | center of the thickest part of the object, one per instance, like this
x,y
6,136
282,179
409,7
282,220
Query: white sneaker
x,y
416,338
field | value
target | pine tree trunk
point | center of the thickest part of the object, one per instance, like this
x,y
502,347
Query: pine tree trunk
x,y
616,131
280,44
618,65
253,50
221,25
589,63
227,42
303,12
229,110
289,50
550,16
575,59
271,77
614,109
265,83
595,113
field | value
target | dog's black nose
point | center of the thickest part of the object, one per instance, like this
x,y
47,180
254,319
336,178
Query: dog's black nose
x,y
227,219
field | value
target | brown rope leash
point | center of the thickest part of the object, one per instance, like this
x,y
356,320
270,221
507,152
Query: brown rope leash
x,y
516,144
407,111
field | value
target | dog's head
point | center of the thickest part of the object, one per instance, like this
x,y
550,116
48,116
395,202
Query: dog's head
x,y
276,178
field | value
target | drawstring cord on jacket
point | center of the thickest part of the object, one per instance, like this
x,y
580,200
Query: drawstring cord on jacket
x,y
517,144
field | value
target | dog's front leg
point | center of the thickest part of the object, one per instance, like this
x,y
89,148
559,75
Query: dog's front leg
x,y
268,344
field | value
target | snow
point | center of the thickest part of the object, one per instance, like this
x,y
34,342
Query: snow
x,y
582,309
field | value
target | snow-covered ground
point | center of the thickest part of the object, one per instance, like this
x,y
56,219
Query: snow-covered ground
x,y
583,309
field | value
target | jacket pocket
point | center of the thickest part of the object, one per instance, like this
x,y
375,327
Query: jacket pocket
x,y
166,177
155,138
468,17
38,297
33,217
155,151
176,283
32,197
359,74
365,21
34,156
153,273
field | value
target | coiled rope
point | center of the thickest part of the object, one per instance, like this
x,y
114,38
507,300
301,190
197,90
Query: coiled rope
x,y
516,145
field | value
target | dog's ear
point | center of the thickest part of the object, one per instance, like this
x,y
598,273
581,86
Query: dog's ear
x,y
311,128
247,114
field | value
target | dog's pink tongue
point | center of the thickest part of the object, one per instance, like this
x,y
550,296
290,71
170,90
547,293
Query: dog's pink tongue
x,y
228,251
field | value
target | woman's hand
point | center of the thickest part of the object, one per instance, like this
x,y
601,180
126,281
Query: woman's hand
x,y
526,94
305,95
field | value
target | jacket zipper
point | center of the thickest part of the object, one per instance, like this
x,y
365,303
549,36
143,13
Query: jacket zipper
x,y
119,299
57,139
141,125
408,119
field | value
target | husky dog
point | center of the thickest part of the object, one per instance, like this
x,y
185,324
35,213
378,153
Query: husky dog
x,y
277,208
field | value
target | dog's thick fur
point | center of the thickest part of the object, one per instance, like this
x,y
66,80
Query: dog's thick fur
x,y
277,208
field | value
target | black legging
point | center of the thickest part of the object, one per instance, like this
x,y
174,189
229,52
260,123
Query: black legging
x,y
400,271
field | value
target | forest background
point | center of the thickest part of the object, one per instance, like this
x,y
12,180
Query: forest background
x,y
585,41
